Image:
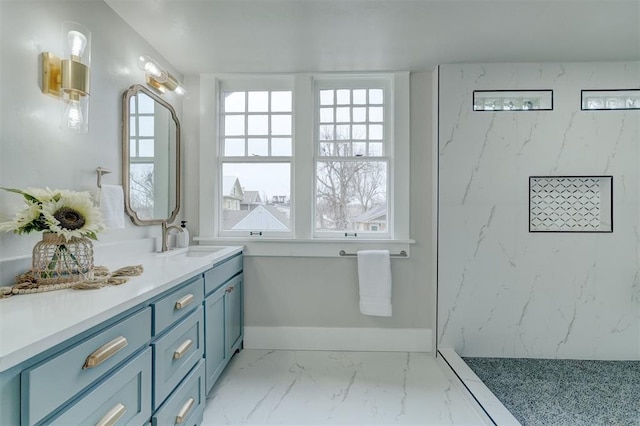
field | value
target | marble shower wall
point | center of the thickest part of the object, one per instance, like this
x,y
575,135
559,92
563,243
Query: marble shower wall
x,y
506,292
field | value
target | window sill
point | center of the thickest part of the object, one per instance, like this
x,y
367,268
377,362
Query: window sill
x,y
317,247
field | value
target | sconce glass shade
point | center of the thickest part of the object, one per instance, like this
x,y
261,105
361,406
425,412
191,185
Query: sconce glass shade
x,y
68,78
75,77
157,77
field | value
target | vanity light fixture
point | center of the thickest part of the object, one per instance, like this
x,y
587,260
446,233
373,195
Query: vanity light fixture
x,y
68,78
157,77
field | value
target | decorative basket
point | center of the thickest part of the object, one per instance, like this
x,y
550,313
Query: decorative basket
x,y
56,260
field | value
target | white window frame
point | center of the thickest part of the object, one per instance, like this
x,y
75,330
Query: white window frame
x,y
248,85
303,242
361,82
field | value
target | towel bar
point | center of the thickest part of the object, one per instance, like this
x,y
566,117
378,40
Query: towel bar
x,y
401,254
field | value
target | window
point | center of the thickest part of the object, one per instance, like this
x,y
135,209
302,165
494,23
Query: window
x,y
312,158
351,161
141,155
255,161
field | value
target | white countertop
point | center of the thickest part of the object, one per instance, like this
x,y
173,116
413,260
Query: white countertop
x,y
33,323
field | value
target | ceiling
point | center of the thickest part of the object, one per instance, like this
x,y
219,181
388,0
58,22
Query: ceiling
x,y
203,36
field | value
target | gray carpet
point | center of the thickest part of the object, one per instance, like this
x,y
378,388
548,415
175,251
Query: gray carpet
x,y
542,392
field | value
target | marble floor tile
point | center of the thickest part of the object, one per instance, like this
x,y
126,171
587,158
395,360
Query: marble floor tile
x,y
262,387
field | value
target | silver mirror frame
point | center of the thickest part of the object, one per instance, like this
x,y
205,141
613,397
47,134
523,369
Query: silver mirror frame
x,y
132,91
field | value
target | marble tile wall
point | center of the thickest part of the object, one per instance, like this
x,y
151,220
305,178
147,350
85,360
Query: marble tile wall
x,y
506,292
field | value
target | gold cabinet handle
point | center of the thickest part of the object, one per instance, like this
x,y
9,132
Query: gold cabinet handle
x,y
184,301
182,349
112,416
182,414
105,352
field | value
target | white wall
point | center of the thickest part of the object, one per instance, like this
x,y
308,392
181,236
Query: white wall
x,y
34,151
503,291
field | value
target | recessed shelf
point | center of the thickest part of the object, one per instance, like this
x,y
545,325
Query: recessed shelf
x,y
512,100
596,100
571,204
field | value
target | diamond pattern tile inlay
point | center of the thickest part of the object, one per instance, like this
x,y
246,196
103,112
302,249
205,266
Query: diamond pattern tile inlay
x,y
564,204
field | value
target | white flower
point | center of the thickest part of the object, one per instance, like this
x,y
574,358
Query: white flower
x,y
66,213
72,214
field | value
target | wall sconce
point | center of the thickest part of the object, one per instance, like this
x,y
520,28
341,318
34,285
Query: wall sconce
x,y
157,77
69,78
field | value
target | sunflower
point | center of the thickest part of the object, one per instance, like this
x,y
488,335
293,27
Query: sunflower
x,y
72,214
26,220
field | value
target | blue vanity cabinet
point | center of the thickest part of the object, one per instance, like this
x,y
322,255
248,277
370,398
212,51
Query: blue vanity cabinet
x,y
49,384
223,317
151,364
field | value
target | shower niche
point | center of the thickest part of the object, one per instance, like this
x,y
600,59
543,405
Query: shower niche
x,y
571,204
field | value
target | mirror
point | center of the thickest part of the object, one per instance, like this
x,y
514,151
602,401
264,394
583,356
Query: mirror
x,y
150,157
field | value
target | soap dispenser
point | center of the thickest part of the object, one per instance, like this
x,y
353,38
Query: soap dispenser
x,y
183,237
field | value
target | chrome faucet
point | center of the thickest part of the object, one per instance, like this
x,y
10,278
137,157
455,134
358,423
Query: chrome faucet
x,y
165,234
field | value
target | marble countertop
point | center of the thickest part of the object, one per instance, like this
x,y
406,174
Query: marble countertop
x,y
32,323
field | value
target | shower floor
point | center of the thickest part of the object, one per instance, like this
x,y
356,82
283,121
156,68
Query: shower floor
x,y
553,392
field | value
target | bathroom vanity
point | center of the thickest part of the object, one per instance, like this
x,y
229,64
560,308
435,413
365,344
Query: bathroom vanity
x,y
143,352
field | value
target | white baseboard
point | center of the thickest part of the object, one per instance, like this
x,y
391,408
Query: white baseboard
x,y
339,339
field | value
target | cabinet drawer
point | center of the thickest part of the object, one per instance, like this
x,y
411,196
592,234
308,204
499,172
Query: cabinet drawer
x,y
175,353
217,276
124,397
186,405
176,305
49,384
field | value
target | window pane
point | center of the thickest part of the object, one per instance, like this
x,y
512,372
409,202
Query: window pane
x,y
343,132
359,149
281,125
146,105
351,196
376,96
234,147
258,125
343,96
326,97
375,132
280,101
146,126
360,96
234,125
359,115
256,196
326,133
132,126
258,101
375,149
133,152
141,189
258,147
359,131
342,115
326,115
234,101
281,147
375,114
326,149
145,147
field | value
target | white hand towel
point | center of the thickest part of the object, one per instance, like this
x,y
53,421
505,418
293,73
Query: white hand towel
x,y
112,206
374,276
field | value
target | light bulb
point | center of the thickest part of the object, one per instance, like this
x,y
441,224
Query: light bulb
x,y
77,43
179,90
148,65
73,115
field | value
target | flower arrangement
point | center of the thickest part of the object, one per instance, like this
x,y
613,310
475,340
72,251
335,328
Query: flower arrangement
x,y
68,214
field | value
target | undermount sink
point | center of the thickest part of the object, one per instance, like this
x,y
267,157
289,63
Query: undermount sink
x,y
192,251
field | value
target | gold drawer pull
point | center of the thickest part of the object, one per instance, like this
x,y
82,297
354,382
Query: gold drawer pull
x,y
184,301
182,414
112,417
182,349
105,352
